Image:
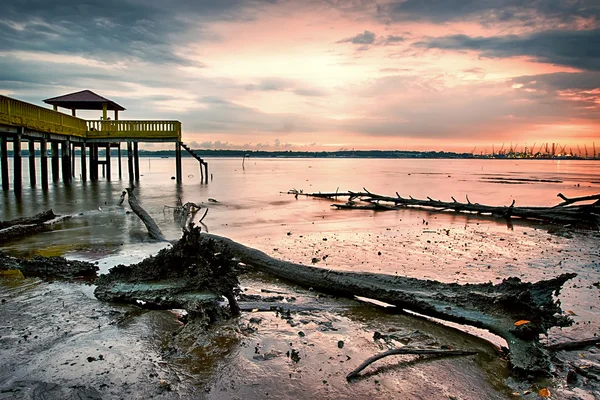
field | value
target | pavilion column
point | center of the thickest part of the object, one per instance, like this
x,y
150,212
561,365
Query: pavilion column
x,y
4,150
108,169
119,153
83,163
130,161
178,162
17,160
54,162
136,158
66,160
44,162
32,162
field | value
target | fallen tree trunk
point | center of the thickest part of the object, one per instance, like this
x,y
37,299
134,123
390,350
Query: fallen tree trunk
x,y
487,306
563,213
492,307
36,219
17,230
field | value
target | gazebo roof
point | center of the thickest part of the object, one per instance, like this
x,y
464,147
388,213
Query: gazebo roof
x,y
84,100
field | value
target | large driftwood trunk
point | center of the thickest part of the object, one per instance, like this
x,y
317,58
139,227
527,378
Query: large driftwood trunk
x,y
563,213
492,307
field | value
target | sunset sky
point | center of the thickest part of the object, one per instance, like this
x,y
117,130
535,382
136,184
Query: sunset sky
x,y
321,74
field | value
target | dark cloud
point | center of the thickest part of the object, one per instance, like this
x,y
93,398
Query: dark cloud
x,y
578,49
367,37
560,81
111,30
487,11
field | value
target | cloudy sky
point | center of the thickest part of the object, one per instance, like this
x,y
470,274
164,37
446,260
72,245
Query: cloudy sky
x,y
321,74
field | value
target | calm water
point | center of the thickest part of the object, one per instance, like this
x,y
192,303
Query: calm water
x,y
251,208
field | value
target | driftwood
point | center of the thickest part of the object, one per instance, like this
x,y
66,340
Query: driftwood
x,y
29,225
563,213
153,229
407,350
487,306
36,219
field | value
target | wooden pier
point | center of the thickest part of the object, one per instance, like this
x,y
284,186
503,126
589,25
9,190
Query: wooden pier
x,y
44,129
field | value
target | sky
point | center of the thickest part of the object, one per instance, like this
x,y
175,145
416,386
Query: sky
x,y
444,75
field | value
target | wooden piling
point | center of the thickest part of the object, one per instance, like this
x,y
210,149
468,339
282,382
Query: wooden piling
x,y
136,158
32,162
44,163
72,160
17,161
119,153
130,161
4,150
93,162
108,169
83,162
178,171
66,160
54,161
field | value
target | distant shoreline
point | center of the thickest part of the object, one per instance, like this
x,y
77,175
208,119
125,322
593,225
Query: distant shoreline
x,y
373,154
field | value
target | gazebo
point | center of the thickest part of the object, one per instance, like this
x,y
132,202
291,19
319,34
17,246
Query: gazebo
x,y
85,100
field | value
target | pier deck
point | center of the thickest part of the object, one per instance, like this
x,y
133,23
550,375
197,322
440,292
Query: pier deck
x,y
22,121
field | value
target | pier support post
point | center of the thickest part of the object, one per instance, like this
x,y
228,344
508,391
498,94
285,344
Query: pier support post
x,y
73,160
83,163
4,150
136,158
54,162
66,161
32,162
130,161
119,152
178,162
93,162
108,169
17,161
44,163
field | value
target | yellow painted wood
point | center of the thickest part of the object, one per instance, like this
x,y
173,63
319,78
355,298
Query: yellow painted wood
x,y
19,113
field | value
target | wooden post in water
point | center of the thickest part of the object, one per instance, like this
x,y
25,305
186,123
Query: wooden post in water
x,y
32,162
178,162
119,152
130,161
44,163
83,163
136,158
93,163
54,161
66,160
73,160
108,162
4,150
17,160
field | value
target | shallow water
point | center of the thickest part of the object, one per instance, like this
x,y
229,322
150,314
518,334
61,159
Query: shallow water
x,y
251,209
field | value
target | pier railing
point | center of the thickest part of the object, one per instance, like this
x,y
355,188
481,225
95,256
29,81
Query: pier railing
x,y
128,129
19,113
